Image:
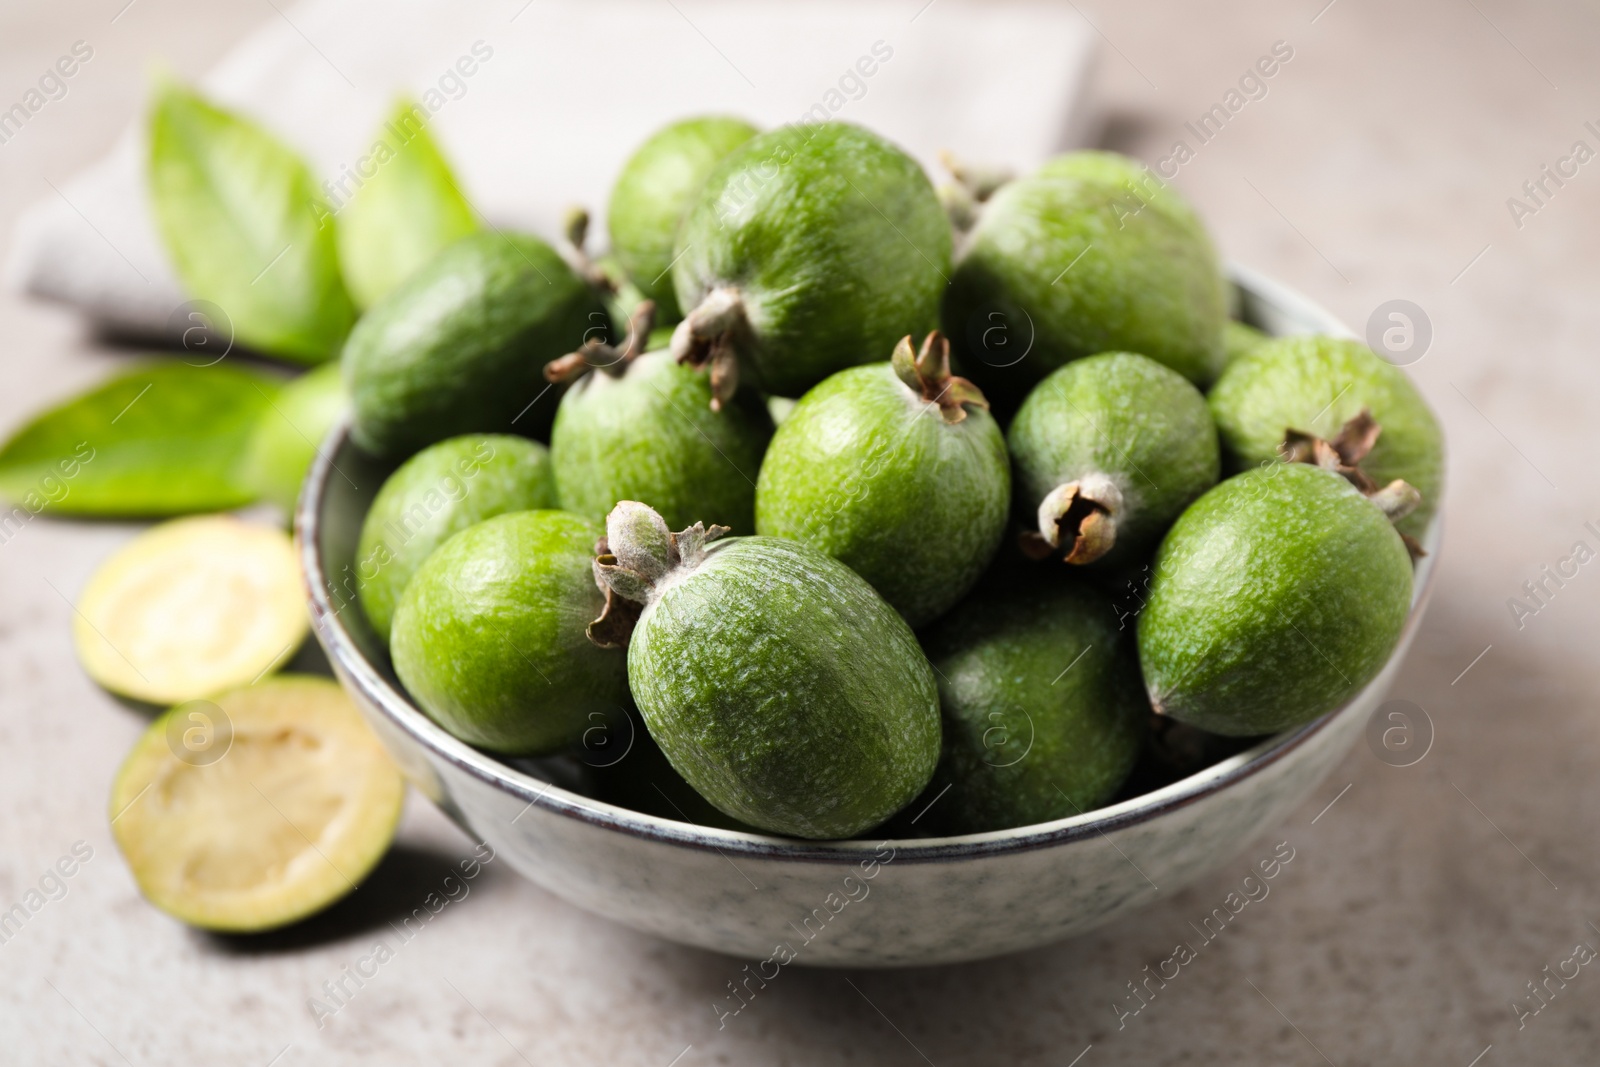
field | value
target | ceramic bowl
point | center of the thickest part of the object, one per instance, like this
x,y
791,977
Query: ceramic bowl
x,y
867,903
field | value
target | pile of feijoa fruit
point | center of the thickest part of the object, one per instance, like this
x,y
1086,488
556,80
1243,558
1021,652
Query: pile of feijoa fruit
x,y
827,491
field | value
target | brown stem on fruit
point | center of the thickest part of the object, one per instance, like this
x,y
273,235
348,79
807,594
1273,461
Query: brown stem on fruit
x,y
1342,454
710,335
927,373
574,232
637,552
599,355
1077,520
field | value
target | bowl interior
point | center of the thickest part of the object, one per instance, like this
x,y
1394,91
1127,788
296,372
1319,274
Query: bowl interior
x,y
335,500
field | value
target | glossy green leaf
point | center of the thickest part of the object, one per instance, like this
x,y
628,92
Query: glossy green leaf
x,y
246,228
291,431
162,439
405,206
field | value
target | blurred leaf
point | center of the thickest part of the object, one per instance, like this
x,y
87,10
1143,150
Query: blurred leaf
x,y
290,432
246,228
404,213
163,439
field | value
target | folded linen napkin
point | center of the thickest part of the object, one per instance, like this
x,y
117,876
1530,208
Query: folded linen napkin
x,y
539,102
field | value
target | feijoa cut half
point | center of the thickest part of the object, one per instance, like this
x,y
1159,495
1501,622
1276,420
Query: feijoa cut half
x,y
256,808
191,607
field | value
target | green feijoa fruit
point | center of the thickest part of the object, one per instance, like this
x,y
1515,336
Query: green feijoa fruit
x,y
459,346
1059,267
1298,392
777,682
638,776
1043,710
898,470
1276,597
1142,187
638,426
435,495
1238,339
810,249
1108,451
654,192
289,433
489,634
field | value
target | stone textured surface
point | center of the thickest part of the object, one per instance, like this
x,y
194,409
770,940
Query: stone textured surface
x,y
1416,908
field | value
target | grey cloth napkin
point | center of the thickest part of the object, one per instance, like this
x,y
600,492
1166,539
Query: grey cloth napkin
x,y
539,102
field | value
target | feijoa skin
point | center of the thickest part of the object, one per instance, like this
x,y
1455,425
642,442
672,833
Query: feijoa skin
x,y
810,249
1108,451
897,470
777,682
488,637
1239,338
1277,596
643,429
653,193
1043,708
459,347
1315,385
1142,187
435,495
1061,267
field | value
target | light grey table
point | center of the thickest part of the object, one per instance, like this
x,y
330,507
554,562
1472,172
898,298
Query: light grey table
x,y
1377,166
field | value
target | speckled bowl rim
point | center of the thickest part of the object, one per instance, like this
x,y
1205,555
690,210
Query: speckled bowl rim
x,y
397,707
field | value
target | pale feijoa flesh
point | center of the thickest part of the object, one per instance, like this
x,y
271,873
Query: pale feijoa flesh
x,y
777,682
1276,597
1043,709
1315,385
810,249
257,807
1061,267
436,494
897,470
191,607
653,193
1108,451
643,429
489,634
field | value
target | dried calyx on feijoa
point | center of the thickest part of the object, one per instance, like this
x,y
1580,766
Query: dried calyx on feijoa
x,y
636,425
777,682
1276,597
1285,395
1108,451
1077,258
898,470
654,191
810,249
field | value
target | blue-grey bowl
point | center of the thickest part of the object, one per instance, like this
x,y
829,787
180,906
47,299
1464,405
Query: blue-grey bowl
x,y
850,903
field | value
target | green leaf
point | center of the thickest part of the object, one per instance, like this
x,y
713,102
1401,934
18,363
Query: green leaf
x,y
246,228
402,215
290,432
163,439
